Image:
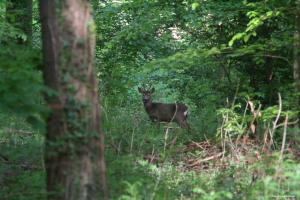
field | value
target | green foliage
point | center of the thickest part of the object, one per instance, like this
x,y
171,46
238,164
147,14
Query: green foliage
x,y
203,53
133,191
21,84
233,123
130,176
220,50
21,160
8,32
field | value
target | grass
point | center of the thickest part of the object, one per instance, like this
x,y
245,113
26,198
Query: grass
x,y
22,175
142,163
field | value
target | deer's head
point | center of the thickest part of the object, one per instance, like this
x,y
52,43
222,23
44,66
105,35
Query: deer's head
x,y
146,94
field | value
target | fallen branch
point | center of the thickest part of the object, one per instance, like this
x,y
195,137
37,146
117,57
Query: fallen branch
x,y
197,162
24,166
288,123
198,145
18,131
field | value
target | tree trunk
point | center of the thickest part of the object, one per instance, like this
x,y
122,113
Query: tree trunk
x,y
297,53
74,154
19,14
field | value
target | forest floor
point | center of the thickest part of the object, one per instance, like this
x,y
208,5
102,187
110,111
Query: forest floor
x,y
159,167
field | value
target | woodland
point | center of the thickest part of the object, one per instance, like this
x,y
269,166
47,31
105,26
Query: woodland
x,y
149,99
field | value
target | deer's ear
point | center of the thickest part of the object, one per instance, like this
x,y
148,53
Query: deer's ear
x,y
152,90
140,90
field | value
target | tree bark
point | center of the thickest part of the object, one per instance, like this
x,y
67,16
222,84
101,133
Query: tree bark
x,y
19,14
297,54
74,154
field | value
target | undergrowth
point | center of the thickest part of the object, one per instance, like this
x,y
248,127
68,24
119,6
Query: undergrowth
x,y
147,161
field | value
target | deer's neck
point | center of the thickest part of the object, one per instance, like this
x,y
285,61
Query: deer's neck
x,y
148,105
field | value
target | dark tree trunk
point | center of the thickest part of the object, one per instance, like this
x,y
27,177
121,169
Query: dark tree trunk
x,y
19,14
74,154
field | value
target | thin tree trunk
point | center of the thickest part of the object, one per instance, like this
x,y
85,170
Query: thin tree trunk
x,y
74,154
297,53
19,14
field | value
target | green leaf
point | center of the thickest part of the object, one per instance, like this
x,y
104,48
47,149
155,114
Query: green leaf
x,y
195,5
236,37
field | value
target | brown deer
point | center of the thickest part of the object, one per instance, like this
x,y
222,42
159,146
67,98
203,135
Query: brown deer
x,y
163,112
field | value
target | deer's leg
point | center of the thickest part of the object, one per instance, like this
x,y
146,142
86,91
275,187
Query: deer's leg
x,y
188,126
182,122
152,119
185,120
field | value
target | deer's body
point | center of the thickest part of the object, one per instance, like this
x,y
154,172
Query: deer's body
x,y
163,112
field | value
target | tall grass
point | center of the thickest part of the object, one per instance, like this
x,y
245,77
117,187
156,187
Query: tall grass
x,y
145,161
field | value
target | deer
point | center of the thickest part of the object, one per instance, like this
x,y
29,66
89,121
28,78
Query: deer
x,y
164,112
